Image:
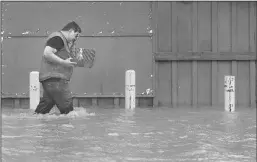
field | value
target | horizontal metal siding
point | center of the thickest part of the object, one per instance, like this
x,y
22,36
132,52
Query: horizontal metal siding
x,y
119,31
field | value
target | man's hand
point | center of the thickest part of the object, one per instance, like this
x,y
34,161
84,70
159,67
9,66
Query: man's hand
x,y
69,63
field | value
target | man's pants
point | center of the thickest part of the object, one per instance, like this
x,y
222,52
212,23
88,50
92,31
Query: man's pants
x,y
56,92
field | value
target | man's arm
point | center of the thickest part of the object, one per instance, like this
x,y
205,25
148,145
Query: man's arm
x,y
49,54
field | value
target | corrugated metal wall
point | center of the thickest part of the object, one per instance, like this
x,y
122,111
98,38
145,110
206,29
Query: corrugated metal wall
x,y
119,31
197,44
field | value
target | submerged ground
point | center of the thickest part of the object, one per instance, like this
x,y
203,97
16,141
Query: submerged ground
x,y
117,135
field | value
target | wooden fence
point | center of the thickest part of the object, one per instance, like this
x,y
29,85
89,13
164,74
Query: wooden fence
x,y
197,44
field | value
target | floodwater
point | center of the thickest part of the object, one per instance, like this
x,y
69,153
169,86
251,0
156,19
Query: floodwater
x,y
117,135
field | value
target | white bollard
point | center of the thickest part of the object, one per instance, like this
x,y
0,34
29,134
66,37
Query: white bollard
x,y
130,89
34,92
229,96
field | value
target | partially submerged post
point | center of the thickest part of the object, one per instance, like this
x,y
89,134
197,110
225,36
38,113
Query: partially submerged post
x,y
34,92
130,89
229,95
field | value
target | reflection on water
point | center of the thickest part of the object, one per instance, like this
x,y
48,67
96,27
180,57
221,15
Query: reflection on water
x,y
115,135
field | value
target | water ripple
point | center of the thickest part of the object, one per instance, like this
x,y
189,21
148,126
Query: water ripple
x,y
118,135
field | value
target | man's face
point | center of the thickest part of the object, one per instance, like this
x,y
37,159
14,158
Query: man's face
x,y
73,36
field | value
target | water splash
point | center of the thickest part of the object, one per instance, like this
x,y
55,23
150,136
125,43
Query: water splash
x,y
54,114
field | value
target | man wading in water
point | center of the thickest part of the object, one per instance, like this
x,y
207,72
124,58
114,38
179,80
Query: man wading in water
x,y
56,70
